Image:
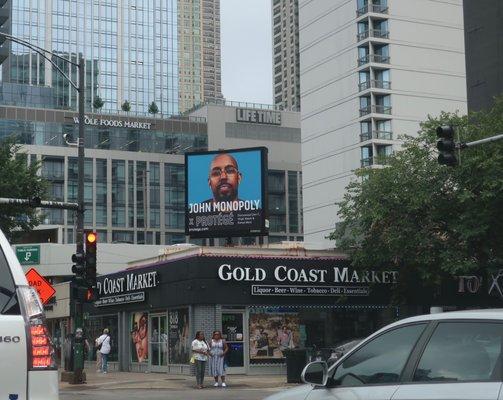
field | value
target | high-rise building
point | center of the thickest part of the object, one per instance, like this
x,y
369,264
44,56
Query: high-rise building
x,y
371,70
200,76
286,68
484,52
130,49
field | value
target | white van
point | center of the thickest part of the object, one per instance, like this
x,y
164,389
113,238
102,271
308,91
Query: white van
x,y
28,368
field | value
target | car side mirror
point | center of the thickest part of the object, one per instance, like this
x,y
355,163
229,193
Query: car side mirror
x,y
315,373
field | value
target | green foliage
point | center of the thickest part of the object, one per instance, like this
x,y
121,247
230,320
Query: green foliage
x,y
426,220
18,180
126,106
152,108
98,103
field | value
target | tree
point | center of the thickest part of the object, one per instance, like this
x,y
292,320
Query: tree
x,y
126,106
430,221
18,180
98,103
152,108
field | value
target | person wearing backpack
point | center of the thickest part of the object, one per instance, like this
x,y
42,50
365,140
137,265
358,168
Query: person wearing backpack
x,y
103,346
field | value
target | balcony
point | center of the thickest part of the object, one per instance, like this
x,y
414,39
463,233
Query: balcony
x,y
376,134
382,135
374,84
374,58
372,8
375,33
367,162
376,109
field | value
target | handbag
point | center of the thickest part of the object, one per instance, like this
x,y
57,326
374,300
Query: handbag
x,y
193,359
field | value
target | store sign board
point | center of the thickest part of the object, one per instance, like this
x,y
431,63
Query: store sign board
x,y
39,283
283,290
114,123
136,297
28,255
306,281
253,116
125,288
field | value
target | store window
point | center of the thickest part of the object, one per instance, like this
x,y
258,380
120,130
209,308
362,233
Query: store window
x,y
94,328
276,329
139,337
179,336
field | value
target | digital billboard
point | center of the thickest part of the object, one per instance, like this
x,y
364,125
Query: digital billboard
x,y
225,193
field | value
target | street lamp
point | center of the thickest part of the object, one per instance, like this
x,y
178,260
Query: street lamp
x,y
80,144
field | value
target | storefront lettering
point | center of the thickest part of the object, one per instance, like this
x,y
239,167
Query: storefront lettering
x,y
115,123
342,276
258,116
282,273
130,282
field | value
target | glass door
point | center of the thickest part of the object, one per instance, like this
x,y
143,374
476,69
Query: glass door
x,y
233,332
158,342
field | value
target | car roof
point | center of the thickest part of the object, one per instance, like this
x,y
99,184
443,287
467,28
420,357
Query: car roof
x,y
15,267
485,314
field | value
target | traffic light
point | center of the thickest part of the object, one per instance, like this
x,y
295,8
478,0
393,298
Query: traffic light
x,y
446,146
79,266
91,242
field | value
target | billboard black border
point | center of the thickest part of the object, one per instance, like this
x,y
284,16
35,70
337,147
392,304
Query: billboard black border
x,y
264,231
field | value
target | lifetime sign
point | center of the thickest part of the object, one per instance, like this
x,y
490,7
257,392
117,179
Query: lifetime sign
x,y
39,283
258,116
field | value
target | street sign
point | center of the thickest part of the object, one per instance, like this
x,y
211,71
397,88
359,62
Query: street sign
x,y
44,288
28,255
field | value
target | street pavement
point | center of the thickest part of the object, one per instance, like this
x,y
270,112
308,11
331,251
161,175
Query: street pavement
x,y
130,385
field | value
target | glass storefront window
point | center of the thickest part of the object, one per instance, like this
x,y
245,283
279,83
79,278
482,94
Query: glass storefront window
x,y
179,339
93,328
276,329
139,337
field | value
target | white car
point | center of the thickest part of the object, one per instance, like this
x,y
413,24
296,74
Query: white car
x,y
446,356
28,368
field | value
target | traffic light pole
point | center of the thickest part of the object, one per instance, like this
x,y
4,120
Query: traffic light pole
x,y
78,349
481,141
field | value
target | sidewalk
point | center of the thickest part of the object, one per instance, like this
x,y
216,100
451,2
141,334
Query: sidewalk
x,y
137,380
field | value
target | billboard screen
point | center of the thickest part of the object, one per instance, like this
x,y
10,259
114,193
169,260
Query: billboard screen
x,y
225,193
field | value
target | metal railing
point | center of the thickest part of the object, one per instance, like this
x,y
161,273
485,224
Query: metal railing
x,y
383,135
373,8
365,136
241,104
377,109
375,33
373,83
376,58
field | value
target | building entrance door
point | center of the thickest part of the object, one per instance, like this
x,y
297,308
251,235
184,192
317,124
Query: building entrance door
x,y
234,333
158,356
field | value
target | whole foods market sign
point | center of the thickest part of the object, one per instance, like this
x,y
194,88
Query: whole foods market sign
x,y
114,123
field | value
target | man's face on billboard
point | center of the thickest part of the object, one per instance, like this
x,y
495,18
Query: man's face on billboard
x,y
224,178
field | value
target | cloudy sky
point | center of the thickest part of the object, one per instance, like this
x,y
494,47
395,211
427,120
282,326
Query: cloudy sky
x,y
246,50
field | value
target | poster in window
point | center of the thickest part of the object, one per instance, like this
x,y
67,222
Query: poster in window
x,y
272,334
179,341
139,337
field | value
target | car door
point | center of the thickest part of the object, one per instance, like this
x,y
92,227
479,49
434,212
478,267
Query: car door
x,y
13,357
373,371
461,361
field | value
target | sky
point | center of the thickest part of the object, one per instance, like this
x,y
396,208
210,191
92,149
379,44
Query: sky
x,y
245,27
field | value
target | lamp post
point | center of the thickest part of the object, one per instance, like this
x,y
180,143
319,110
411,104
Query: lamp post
x,y
46,54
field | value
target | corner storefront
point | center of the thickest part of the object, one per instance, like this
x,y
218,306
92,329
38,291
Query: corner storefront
x,y
263,301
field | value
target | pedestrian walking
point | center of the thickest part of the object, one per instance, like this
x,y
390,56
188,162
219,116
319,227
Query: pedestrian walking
x,y
200,350
103,346
218,350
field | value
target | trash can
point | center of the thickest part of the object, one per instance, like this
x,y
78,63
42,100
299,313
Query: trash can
x,y
296,360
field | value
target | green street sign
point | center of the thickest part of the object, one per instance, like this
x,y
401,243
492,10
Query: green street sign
x,y
28,255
